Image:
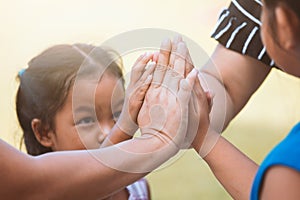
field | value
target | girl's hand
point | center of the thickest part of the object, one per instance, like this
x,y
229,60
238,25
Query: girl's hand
x,y
140,80
200,107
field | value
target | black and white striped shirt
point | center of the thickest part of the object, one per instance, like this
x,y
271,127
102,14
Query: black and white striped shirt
x,y
138,190
238,29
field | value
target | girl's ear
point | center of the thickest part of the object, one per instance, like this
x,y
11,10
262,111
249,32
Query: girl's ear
x,y
43,135
287,27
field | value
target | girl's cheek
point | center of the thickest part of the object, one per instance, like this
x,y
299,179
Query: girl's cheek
x,y
88,136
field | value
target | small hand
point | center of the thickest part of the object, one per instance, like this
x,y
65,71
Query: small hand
x,y
199,108
140,80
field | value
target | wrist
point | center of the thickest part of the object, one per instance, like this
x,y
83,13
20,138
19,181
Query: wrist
x,y
208,142
126,124
198,140
163,140
115,136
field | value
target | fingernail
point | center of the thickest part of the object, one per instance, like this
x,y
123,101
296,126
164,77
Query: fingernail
x,y
194,71
212,94
166,43
182,48
150,65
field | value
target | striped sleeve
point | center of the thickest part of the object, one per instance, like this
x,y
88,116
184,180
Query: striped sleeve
x,y
238,29
138,190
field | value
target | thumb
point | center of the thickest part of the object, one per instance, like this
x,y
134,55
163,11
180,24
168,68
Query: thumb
x,y
186,86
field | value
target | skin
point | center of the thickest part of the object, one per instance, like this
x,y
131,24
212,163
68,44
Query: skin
x,y
84,121
91,122
233,78
90,125
224,159
78,174
280,181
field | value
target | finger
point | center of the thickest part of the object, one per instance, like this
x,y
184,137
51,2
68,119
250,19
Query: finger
x,y
210,97
186,86
149,71
139,67
179,64
155,56
192,77
173,76
197,88
145,81
202,96
144,87
162,62
189,63
198,92
164,53
142,61
172,80
141,90
175,42
139,58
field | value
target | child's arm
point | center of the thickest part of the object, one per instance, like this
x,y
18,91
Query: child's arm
x,y
115,136
234,170
281,182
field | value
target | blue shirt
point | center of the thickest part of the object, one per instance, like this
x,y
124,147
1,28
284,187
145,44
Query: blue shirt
x,y
286,153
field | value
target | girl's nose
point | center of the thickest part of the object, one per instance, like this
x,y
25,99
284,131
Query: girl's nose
x,y
103,133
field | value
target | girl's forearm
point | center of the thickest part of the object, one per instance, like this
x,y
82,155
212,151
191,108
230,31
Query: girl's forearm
x,y
89,174
115,136
234,170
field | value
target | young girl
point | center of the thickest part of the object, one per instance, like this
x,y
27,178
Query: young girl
x,y
69,98
278,177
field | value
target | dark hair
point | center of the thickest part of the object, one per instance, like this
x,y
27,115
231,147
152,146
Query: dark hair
x,y
45,84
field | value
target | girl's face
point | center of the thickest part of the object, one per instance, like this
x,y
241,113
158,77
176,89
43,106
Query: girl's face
x,y
89,115
286,59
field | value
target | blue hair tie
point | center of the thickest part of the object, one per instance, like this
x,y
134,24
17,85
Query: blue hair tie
x,y
21,72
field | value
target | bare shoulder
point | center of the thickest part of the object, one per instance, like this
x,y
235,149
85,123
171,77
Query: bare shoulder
x,y
281,182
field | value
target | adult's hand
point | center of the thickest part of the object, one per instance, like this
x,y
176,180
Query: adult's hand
x,y
164,113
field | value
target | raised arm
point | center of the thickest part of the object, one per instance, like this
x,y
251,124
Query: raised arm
x,y
239,63
233,78
234,170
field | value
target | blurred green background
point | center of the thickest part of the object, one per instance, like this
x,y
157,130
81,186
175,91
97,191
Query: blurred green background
x,y
28,27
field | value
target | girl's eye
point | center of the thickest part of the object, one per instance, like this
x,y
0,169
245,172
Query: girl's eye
x,y
85,121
